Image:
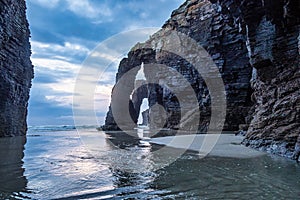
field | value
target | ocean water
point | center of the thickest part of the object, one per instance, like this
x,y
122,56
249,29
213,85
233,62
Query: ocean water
x,y
58,163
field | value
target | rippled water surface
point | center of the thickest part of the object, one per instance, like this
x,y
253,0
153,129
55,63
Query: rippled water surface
x,y
57,165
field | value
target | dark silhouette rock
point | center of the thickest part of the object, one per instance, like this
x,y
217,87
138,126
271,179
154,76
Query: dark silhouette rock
x,y
140,93
273,35
145,115
125,89
16,68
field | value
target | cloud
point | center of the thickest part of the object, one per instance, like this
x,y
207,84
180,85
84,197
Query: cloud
x,y
83,8
46,3
106,56
56,73
43,111
64,101
60,87
56,68
64,32
67,51
55,64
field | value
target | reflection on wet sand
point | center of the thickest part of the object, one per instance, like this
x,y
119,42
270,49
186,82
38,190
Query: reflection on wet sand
x,y
61,165
12,179
121,139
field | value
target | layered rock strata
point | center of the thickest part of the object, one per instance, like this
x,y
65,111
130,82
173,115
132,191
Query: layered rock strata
x,y
213,29
273,44
255,45
16,68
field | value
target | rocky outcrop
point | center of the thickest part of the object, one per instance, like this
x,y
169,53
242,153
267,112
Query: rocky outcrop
x,y
273,43
134,59
139,94
256,46
145,115
16,68
216,31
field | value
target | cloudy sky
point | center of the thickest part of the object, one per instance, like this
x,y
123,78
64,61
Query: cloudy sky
x,y
64,33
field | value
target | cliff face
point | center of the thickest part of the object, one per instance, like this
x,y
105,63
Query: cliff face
x,y
255,45
16,68
215,31
273,41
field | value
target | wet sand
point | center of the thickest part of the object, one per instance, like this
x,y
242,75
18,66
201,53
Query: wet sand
x,y
227,145
62,165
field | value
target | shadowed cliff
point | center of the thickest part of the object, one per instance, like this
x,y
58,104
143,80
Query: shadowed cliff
x,y
16,68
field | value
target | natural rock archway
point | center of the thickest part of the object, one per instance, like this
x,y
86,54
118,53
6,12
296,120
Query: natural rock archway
x,y
256,46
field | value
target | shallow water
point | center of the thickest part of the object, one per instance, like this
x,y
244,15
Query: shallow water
x,y
57,165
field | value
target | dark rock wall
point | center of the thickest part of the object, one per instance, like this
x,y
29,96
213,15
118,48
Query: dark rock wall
x,y
220,32
145,115
221,35
139,94
16,70
132,62
273,35
256,46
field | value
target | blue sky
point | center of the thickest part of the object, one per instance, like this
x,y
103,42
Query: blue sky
x,y
64,33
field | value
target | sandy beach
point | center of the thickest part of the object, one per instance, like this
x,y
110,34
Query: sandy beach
x,y
227,145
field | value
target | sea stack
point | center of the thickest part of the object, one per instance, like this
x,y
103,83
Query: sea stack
x,y
16,68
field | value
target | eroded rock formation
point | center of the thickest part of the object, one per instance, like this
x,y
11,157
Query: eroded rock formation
x,y
16,68
273,42
139,94
145,115
214,30
255,45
